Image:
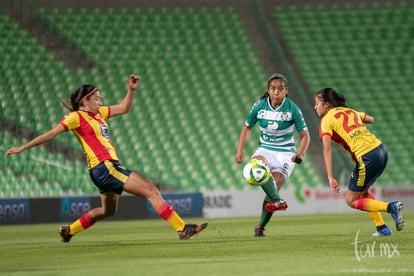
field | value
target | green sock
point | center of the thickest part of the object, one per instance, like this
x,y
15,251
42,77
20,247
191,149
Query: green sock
x,y
270,189
266,216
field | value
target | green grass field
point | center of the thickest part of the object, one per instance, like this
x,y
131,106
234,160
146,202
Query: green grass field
x,y
295,245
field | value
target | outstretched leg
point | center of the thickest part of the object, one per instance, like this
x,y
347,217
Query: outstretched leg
x,y
139,186
109,206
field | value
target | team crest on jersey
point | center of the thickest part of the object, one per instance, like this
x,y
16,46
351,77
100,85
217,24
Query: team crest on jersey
x,y
104,131
285,116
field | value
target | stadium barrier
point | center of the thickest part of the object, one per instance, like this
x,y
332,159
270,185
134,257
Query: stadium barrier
x,y
307,200
209,204
67,209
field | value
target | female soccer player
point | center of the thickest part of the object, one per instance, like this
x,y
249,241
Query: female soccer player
x,y
87,122
277,116
346,127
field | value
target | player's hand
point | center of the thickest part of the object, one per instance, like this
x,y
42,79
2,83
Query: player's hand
x,y
334,184
238,158
297,159
14,150
133,82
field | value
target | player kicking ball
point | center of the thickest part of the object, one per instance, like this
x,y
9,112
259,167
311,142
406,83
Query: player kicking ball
x,y
87,121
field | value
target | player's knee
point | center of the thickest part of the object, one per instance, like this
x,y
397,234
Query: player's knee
x,y
154,192
350,201
109,212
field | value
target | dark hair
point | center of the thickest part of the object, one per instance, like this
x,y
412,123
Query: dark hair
x,y
331,96
80,94
275,76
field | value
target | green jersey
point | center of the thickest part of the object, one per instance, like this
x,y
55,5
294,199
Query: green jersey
x,y
276,125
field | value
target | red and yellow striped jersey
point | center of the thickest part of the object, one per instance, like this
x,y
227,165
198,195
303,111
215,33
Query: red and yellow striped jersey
x,y
93,134
346,127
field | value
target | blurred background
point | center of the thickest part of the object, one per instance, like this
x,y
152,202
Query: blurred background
x,y
203,64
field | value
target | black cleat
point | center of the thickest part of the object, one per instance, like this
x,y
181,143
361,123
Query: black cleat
x,y
64,232
190,230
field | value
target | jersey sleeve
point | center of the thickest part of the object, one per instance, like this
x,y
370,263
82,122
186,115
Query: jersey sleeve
x,y
105,112
362,115
299,120
70,121
252,117
325,127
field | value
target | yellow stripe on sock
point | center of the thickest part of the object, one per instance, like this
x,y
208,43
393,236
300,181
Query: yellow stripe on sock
x,y
176,221
375,205
76,227
376,218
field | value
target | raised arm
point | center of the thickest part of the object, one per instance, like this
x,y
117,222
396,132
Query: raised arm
x,y
41,139
125,105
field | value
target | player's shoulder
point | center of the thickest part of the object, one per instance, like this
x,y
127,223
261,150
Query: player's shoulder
x,y
343,110
355,110
104,108
259,104
71,114
104,112
261,101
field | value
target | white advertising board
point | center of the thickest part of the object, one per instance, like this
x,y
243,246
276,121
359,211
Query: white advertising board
x,y
306,201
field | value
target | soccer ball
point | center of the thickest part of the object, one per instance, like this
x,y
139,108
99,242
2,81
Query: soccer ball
x,y
256,172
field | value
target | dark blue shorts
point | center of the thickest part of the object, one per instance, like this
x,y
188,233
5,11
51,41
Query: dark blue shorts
x,y
368,168
109,176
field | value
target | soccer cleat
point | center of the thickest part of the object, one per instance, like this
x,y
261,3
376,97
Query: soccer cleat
x,y
395,208
275,205
259,231
190,230
64,232
382,230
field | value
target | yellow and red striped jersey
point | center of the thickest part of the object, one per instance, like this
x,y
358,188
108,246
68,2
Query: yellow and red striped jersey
x,y
92,132
346,127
